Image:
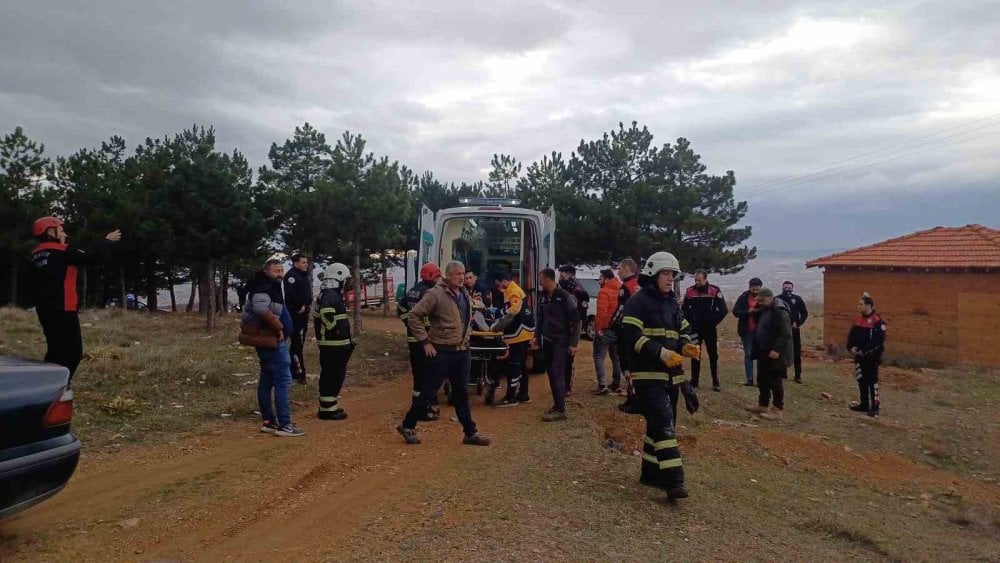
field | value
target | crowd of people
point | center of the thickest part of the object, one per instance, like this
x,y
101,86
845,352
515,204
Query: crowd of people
x,y
641,325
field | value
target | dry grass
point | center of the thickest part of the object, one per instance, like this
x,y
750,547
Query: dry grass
x,y
145,377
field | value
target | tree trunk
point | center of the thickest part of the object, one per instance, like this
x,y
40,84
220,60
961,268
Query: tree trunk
x,y
194,291
121,289
225,290
208,292
357,287
14,272
385,291
173,296
152,291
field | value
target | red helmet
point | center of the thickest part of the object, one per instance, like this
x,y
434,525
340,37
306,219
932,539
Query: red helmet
x,y
430,272
44,224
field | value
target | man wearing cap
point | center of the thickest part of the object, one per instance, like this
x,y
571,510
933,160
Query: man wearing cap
x,y
745,309
798,312
567,281
55,265
298,299
773,349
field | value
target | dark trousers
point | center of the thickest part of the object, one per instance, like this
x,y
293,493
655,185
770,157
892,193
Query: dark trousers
x,y
797,351
62,338
661,456
710,338
453,365
333,365
866,372
770,376
556,356
420,366
300,323
517,379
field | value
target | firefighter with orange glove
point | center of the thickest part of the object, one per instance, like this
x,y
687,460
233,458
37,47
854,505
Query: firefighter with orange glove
x,y
658,339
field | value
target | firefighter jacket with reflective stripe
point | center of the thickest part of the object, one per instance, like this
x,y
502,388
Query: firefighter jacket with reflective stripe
x,y
868,336
409,301
330,319
653,322
630,285
518,320
53,275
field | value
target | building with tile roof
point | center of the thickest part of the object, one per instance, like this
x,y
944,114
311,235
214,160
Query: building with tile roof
x,y
939,291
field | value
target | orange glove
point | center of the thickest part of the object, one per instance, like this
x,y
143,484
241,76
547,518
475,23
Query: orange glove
x,y
692,351
671,359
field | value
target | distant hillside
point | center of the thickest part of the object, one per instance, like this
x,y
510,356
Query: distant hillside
x,y
776,266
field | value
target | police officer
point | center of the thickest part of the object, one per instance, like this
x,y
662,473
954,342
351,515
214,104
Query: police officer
x,y
430,273
567,281
333,335
705,307
298,299
867,342
798,313
658,338
55,265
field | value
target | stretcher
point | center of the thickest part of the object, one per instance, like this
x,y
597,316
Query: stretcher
x,y
489,352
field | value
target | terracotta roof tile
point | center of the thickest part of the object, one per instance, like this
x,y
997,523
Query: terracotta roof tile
x,y
971,246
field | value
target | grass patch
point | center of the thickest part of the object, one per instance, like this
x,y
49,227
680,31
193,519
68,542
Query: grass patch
x,y
147,375
847,534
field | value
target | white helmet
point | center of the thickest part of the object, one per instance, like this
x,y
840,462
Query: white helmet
x,y
660,261
335,272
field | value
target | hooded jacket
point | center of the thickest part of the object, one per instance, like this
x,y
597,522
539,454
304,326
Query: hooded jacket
x,y
774,332
607,303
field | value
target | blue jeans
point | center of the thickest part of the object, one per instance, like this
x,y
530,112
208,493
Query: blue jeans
x,y
748,355
276,375
604,345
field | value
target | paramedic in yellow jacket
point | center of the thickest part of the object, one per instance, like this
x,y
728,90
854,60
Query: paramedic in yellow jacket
x,y
518,327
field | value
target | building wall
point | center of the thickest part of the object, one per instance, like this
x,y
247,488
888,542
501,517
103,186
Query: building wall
x,y
943,317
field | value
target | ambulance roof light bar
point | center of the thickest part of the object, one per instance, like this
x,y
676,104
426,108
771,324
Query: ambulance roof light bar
x,y
491,201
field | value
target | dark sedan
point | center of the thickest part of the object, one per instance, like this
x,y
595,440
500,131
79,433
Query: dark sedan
x,y
38,453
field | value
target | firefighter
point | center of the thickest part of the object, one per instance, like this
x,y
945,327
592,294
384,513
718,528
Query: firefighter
x,y
867,342
54,268
705,307
518,327
567,281
298,298
628,272
658,339
430,273
333,335
799,313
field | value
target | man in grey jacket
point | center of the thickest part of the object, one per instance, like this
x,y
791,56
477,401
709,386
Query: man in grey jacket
x,y
441,322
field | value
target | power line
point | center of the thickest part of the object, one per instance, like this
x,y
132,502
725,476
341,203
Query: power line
x,y
870,154
866,166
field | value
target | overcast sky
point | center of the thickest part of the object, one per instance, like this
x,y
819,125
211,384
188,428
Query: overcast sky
x,y
769,91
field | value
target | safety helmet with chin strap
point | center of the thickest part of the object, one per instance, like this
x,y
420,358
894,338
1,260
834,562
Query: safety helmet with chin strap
x,y
43,224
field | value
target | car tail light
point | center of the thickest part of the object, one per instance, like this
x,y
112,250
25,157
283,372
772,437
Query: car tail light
x,y
61,410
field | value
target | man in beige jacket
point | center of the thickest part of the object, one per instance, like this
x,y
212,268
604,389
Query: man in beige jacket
x,y
448,308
